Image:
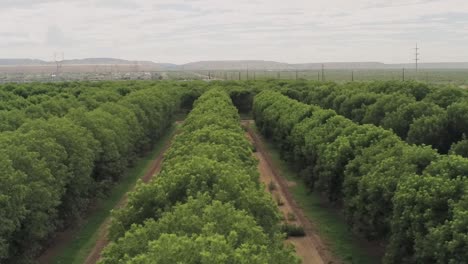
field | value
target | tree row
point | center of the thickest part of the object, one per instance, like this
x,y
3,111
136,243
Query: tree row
x,y
206,205
409,196
418,113
23,102
51,168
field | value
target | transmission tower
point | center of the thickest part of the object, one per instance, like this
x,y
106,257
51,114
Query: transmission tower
x,y
58,58
416,57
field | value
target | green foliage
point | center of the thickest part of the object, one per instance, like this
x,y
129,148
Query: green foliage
x,y
401,119
408,195
384,105
445,96
447,243
355,105
61,146
371,180
36,200
448,166
293,230
431,130
457,114
207,204
81,149
460,148
421,206
392,104
200,217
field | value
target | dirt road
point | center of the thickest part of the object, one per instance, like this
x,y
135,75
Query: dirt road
x,y
102,240
310,248
66,237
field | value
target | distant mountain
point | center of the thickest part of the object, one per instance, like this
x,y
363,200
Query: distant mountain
x,y
105,61
230,64
236,65
340,65
87,61
168,65
12,62
273,65
432,65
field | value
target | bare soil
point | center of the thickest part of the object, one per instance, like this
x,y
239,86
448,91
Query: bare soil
x,y
64,238
103,240
311,248
61,239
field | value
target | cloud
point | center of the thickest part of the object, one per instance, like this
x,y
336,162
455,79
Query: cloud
x,y
116,4
184,30
55,37
177,7
23,3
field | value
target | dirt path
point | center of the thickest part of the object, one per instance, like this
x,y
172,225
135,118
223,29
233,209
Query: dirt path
x,y
61,239
310,248
64,238
102,240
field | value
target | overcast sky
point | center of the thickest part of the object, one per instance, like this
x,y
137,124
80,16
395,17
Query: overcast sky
x,y
283,30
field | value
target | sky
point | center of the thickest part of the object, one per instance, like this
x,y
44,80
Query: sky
x,y
294,31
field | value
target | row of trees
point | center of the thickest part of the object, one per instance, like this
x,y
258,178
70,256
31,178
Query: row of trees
x,y
410,196
418,113
52,166
207,204
22,102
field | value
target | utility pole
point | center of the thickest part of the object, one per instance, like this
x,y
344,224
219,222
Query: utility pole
x,y
403,74
352,76
416,57
247,71
323,73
